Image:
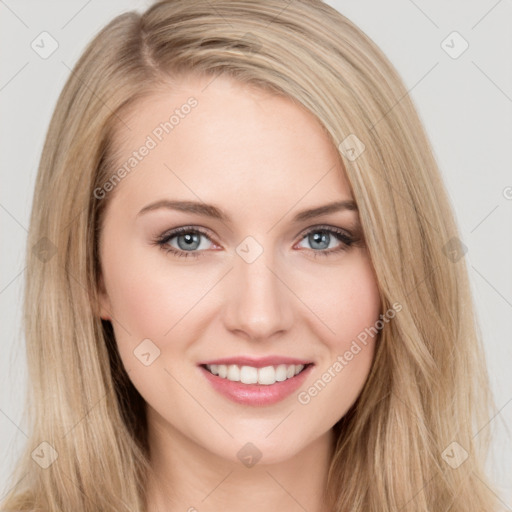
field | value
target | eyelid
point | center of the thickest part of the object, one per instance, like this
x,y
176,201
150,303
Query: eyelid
x,y
168,235
326,227
174,232
171,233
346,238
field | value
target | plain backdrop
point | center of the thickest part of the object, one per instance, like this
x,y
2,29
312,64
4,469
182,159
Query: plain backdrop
x,y
464,99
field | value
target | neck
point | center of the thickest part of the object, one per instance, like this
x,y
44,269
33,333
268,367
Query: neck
x,y
188,477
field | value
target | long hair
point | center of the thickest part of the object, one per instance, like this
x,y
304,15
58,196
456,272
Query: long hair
x,y
415,439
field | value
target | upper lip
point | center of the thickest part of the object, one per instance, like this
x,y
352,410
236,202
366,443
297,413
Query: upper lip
x,y
257,362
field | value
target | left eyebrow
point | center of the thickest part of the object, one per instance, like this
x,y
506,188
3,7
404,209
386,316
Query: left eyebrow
x,y
325,209
209,210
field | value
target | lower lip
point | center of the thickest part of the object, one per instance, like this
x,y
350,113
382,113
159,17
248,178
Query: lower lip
x,y
256,394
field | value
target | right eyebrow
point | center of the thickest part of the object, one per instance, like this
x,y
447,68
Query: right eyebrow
x,y
204,209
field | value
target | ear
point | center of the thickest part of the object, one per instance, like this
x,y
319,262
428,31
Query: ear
x,y
103,306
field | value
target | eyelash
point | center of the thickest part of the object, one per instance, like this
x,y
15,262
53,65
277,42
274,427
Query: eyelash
x,y
163,241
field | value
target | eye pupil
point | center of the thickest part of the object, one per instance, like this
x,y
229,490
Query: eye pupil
x,y
190,240
319,238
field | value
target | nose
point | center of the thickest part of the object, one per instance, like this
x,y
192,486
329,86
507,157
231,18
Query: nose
x,y
259,303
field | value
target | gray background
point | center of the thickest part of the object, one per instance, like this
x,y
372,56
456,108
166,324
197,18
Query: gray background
x,y
465,104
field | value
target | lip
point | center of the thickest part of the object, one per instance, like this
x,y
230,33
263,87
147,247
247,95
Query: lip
x,y
257,362
256,394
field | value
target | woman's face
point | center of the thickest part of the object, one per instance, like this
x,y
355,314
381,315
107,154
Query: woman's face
x,y
251,277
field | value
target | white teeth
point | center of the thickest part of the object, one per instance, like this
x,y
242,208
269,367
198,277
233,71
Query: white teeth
x,y
281,373
233,373
250,375
266,375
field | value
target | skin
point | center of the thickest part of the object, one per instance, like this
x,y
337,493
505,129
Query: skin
x,y
261,159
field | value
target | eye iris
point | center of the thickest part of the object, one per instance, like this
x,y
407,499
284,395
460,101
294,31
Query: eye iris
x,y
319,237
191,239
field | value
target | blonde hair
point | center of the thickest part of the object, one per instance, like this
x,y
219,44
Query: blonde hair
x,y
428,385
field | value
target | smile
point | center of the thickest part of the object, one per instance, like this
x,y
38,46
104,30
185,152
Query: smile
x,y
256,386
266,376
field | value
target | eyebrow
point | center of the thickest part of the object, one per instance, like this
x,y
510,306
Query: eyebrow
x,y
214,212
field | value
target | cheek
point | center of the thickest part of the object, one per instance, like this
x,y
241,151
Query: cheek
x,y
348,301
137,299
152,308
358,305
150,298
138,289
351,309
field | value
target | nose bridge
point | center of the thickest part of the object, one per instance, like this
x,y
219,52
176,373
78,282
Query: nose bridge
x,y
258,300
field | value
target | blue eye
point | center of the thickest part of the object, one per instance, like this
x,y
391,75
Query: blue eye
x,y
321,238
189,241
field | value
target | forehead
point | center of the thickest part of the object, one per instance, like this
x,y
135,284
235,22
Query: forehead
x,y
215,137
